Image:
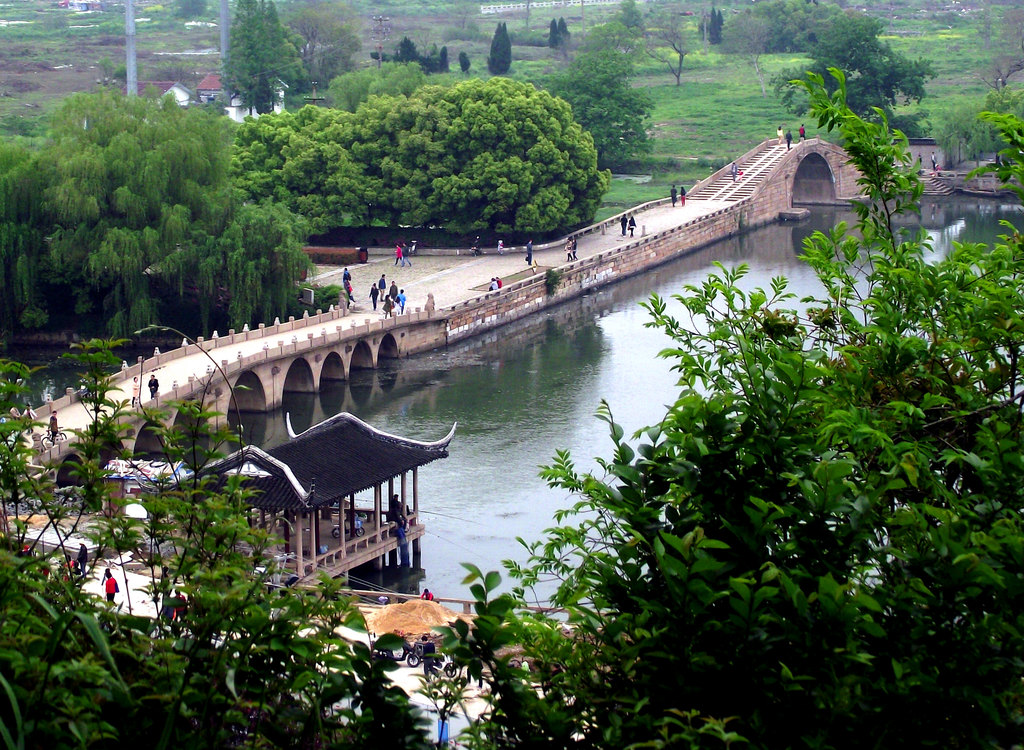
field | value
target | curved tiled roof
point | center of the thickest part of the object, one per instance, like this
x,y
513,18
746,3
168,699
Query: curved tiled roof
x,y
340,456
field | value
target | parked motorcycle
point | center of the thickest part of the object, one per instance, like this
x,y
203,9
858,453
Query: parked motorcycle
x,y
407,654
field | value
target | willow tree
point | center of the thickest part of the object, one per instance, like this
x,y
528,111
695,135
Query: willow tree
x,y
22,243
140,203
132,181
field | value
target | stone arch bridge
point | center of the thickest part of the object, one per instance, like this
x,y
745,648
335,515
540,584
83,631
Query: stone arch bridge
x,y
250,370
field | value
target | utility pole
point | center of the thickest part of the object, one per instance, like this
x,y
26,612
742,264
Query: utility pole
x,y
225,29
381,33
314,100
132,82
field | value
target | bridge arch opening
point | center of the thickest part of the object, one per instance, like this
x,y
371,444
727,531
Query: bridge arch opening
x,y
334,368
299,378
248,394
814,181
362,357
193,432
388,348
148,442
68,473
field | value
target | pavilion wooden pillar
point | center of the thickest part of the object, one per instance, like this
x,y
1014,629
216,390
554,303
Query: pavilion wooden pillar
x,y
403,498
314,533
416,490
287,532
341,522
378,562
416,513
299,567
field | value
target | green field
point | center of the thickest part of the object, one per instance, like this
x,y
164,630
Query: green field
x,y
716,113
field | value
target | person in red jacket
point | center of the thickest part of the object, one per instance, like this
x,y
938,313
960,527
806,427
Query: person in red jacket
x,y
110,585
427,595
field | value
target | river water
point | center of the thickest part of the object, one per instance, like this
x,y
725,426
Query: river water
x,y
526,391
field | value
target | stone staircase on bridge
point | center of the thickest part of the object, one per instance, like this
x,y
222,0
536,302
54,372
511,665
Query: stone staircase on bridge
x,y
756,167
936,185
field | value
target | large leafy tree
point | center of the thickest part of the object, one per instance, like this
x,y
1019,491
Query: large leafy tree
x,y
236,668
878,76
350,90
260,55
821,543
135,200
328,36
131,182
598,85
794,25
480,155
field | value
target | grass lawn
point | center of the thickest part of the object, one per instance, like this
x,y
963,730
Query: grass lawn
x,y
716,112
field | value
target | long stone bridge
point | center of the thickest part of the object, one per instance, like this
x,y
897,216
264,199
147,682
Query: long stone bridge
x,y
250,370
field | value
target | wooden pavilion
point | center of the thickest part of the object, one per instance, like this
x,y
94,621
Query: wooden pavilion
x,y
305,491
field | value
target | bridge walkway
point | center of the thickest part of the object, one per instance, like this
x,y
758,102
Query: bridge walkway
x,y
755,168
450,279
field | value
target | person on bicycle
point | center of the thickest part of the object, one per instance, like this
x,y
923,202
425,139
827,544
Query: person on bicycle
x,y
54,429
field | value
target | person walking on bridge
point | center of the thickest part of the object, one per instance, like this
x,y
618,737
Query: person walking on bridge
x,y
154,385
631,224
623,222
734,170
674,195
789,139
781,135
802,132
374,295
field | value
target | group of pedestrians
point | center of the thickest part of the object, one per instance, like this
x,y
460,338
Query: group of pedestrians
x,y
627,222
787,137
391,298
153,385
402,255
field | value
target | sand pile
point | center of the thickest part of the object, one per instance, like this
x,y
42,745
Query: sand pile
x,y
414,617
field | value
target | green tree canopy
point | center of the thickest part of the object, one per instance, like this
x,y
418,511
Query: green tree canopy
x,y
328,38
794,25
500,60
821,543
350,90
232,667
877,75
260,55
554,38
629,15
133,196
23,247
480,155
598,86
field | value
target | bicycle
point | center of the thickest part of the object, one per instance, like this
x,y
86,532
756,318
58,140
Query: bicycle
x,y
49,440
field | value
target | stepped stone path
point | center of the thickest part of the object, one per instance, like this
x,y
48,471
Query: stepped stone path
x,y
754,167
454,276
